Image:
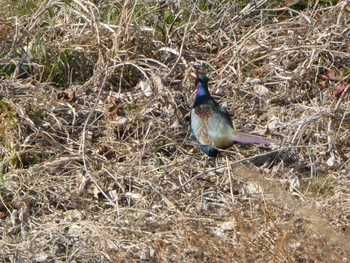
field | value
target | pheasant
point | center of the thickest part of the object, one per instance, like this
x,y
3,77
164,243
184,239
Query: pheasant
x,y
211,124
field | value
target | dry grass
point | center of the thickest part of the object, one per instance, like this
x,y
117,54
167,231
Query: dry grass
x,y
97,163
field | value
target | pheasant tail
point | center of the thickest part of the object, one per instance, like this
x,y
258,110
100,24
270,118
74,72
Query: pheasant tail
x,y
242,137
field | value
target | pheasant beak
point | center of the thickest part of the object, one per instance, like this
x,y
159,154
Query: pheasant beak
x,y
194,75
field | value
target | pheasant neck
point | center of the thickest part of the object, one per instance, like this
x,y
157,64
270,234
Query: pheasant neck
x,y
203,95
202,89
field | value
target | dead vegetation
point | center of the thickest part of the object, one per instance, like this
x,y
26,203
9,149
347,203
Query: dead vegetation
x,y
97,163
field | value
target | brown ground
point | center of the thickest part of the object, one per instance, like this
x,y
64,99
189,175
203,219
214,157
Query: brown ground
x,y
97,162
